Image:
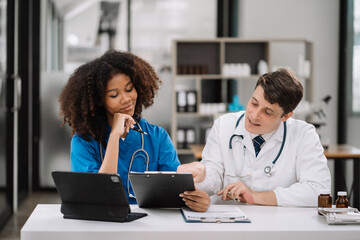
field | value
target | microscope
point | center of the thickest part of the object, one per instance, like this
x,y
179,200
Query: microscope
x,y
315,114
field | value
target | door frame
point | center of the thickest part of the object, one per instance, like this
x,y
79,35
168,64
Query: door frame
x,y
9,116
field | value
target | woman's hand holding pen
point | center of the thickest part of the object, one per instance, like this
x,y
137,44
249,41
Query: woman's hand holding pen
x,y
121,124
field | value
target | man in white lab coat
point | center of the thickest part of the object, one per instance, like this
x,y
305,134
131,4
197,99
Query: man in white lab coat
x,y
286,166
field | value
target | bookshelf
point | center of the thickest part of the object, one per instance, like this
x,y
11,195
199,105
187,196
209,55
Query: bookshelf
x,y
207,73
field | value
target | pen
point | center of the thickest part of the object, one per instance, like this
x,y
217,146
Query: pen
x,y
232,197
140,131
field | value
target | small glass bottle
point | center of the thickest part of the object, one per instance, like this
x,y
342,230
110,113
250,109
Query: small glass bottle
x,y
324,199
342,201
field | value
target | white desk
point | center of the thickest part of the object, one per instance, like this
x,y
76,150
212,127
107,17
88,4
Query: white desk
x,y
46,222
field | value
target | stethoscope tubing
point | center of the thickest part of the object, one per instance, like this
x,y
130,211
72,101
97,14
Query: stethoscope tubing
x,y
268,169
142,149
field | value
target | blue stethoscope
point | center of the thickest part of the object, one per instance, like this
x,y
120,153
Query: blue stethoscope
x,y
268,170
141,150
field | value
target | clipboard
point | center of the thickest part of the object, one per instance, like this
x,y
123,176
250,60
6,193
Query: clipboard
x,y
216,214
160,189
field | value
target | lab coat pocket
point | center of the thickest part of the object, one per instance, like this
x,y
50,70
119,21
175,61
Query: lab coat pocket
x,y
282,179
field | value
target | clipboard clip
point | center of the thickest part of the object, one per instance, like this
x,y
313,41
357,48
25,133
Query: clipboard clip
x,y
218,220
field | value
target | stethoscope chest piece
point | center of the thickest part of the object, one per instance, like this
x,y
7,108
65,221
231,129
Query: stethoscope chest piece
x,y
269,170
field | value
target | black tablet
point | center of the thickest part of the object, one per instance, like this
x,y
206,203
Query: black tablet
x,y
161,189
93,196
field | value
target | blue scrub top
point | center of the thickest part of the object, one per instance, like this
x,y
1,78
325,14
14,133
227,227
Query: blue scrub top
x,y
85,155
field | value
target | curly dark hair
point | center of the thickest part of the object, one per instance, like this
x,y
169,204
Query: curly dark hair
x,y
81,101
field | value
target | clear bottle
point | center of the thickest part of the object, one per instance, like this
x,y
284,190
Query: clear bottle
x,y
342,201
324,199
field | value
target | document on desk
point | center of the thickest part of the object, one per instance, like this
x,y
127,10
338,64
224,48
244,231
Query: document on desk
x,y
216,214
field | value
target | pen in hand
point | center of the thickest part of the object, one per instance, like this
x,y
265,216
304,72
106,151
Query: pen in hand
x,y
140,131
232,197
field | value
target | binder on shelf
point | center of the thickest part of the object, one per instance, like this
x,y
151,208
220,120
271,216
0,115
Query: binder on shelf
x,y
191,101
181,101
190,137
180,137
186,101
185,137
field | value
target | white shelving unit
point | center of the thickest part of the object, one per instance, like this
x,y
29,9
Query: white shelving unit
x,y
199,63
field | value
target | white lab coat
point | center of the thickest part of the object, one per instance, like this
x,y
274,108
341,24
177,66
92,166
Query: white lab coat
x,y
300,172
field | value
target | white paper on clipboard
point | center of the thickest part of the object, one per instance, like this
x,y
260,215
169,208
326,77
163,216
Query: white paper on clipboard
x,y
216,214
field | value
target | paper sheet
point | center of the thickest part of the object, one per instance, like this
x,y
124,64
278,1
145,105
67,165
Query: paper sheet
x,y
216,213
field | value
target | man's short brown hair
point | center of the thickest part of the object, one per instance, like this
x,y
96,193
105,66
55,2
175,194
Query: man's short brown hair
x,y
283,88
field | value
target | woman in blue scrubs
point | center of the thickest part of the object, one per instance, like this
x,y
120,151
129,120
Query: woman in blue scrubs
x,y
102,103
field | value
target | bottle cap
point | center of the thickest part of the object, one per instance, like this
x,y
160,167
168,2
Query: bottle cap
x,y
324,191
342,193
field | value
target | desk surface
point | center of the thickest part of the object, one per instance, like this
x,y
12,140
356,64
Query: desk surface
x,y
334,151
342,151
46,222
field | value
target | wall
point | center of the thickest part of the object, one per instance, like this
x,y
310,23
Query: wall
x,y
316,21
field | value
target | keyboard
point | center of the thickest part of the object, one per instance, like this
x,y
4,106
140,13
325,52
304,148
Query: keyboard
x,y
134,215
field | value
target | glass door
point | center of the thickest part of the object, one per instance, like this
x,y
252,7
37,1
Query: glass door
x,y
5,145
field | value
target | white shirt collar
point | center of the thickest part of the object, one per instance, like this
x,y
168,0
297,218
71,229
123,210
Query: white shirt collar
x,y
266,136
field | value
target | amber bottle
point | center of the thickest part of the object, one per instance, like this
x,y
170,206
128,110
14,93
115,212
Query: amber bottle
x,y
324,199
342,201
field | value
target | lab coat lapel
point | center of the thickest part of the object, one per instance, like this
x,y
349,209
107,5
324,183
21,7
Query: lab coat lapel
x,y
247,141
